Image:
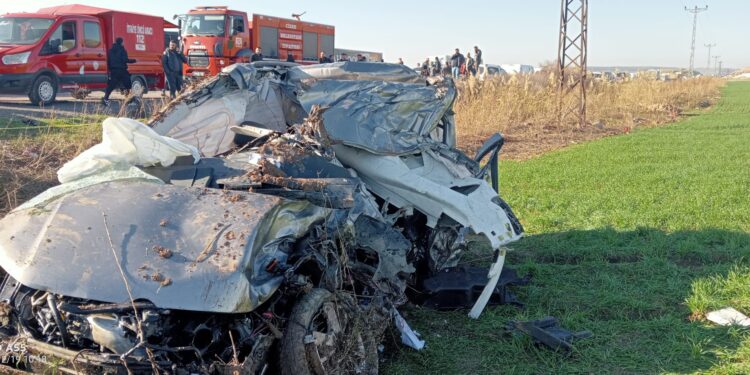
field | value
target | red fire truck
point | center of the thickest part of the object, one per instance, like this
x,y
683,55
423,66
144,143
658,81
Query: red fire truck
x,y
214,37
65,48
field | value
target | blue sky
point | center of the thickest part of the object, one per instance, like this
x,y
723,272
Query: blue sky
x,y
621,32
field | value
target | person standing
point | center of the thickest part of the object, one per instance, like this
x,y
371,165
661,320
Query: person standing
x,y
457,60
477,57
117,63
400,61
470,67
171,61
289,57
438,67
257,56
323,59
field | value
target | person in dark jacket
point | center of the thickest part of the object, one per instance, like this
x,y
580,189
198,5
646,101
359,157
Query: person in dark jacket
x,y
426,67
257,56
478,57
117,63
323,59
470,68
171,62
457,60
289,57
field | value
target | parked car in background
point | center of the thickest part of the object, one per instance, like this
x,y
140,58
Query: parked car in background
x,y
490,70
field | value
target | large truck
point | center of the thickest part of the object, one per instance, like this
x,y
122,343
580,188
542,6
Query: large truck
x,y
65,48
214,37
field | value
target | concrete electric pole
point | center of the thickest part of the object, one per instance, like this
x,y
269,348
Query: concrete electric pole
x,y
695,10
572,52
716,64
708,64
720,62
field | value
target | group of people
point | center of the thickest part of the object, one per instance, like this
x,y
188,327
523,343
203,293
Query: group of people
x,y
456,66
119,76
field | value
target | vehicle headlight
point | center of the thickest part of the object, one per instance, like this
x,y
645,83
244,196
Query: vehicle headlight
x,y
18,58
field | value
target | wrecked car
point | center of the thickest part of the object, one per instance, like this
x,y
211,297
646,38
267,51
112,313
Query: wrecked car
x,y
268,221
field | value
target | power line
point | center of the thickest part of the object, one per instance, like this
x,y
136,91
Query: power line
x,y
708,64
572,52
695,10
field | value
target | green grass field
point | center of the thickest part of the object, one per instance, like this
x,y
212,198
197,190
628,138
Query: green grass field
x,y
633,237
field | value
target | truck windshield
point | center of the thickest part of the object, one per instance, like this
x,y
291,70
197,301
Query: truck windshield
x,y
17,30
204,24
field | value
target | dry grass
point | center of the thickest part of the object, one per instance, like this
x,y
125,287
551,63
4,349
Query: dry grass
x,y
30,160
524,109
31,151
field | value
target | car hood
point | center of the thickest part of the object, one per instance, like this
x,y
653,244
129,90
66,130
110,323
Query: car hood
x,y
180,248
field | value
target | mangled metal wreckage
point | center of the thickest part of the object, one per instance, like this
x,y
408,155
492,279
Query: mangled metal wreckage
x,y
269,220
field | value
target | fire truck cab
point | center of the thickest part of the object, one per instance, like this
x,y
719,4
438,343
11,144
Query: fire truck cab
x,y
214,37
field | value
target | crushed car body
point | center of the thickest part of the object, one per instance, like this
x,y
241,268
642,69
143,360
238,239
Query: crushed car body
x,y
269,220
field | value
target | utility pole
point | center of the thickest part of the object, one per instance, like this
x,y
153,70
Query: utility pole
x,y
708,64
695,10
716,64
572,52
720,62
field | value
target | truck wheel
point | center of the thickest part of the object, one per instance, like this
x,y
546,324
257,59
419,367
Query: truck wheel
x,y
43,91
138,87
322,337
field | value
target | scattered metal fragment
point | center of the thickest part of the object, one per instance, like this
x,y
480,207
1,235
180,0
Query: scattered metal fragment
x,y
459,288
409,337
547,332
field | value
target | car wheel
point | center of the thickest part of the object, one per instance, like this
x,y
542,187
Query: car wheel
x,y
138,87
323,336
43,91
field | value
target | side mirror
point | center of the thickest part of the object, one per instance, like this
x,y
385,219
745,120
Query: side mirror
x,y
491,147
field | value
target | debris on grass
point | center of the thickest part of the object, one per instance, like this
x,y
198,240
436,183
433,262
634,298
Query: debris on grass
x,y
547,332
728,316
409,337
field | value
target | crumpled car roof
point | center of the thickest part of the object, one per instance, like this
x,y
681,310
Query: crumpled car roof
x,y
385,109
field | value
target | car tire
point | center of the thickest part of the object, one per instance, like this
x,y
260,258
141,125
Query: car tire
x,y
138,87
300,356
43,90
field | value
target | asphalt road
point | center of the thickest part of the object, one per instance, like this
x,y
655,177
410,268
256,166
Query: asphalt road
x,y
19,107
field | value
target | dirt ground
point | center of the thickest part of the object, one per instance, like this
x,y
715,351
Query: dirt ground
x,y
523,143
